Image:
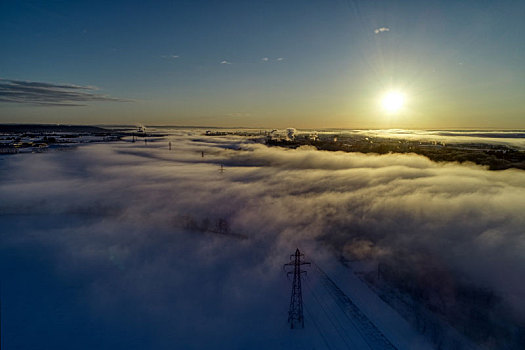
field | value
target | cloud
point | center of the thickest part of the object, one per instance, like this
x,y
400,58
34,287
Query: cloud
x,y
239,114
267,59
225,62
514,138
111,216
381,30
49,94
170,56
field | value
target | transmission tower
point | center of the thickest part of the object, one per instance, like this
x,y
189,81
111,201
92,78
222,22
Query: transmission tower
x,y
295,312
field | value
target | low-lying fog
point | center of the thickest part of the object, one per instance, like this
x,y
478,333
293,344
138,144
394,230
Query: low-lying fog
x,y
96,250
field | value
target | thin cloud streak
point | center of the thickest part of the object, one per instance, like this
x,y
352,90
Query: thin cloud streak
x,y
49,94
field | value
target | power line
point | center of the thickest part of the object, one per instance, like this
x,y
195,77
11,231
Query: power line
x,y
318,328
362,323
338,327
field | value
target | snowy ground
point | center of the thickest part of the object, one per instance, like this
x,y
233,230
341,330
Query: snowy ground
x,y
350,316
113,245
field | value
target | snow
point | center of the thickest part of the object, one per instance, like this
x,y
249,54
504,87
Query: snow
x,y
367,324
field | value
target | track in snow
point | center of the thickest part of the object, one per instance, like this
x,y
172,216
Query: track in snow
x,y
339,321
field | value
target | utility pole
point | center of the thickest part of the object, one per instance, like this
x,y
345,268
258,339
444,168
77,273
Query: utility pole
x,y
295,312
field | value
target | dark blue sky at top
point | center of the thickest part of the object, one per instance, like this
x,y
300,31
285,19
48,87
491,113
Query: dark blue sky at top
x,y
328,49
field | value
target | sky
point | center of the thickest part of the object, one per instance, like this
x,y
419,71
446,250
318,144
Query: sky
x,y
303,64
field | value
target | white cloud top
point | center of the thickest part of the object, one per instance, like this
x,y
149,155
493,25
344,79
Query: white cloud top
x,y
381,30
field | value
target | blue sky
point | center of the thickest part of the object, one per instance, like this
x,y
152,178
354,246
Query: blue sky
x,y
272,63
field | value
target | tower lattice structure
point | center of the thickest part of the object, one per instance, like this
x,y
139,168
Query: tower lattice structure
x,y
295,312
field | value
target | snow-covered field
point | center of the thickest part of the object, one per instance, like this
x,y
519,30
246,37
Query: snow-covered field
x,y
124,244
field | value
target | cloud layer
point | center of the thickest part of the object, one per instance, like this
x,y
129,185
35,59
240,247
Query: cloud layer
x,y
49,94
115,215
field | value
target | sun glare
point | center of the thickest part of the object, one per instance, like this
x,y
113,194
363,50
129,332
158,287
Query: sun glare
x,y
393,101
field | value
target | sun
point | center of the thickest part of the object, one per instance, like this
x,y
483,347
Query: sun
x,y
393,101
